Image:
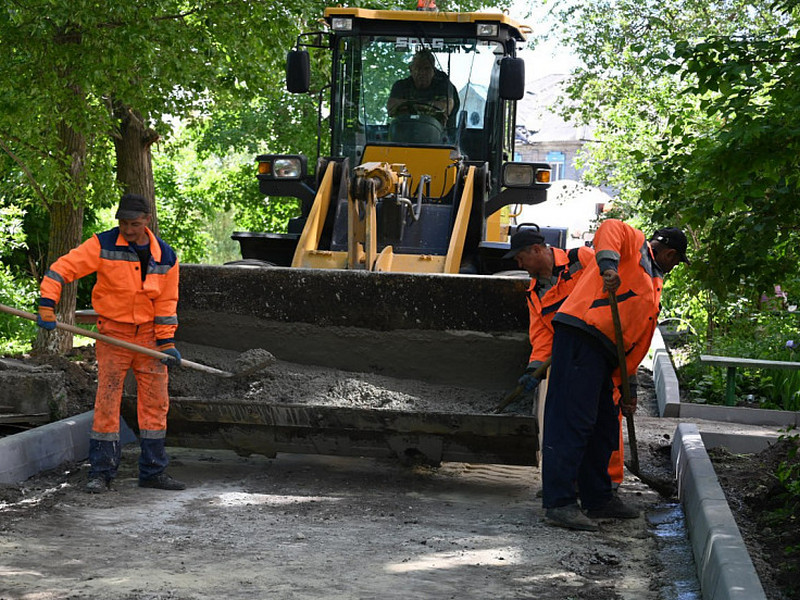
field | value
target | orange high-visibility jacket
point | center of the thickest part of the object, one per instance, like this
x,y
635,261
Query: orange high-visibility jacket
x,y
120,294
618,245
546,297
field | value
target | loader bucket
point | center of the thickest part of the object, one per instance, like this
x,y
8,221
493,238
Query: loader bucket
x,y
454,330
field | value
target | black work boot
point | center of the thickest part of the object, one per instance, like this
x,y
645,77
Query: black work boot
x,y
96,485
162,481
613,509
570,517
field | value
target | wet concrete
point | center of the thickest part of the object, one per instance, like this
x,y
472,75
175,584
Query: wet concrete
x,y
467,358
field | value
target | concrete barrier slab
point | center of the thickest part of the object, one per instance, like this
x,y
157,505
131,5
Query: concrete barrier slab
x,y
739,443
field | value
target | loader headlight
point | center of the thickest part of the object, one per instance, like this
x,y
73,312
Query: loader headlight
x,y
341,24
487,30
525,175
278,166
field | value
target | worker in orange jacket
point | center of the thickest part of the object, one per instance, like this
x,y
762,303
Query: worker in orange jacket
x,y
554,273
136,298
581,420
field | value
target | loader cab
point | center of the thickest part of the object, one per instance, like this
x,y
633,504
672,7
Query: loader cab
x,y
438,151
370,65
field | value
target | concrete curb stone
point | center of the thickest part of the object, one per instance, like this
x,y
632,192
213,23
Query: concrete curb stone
x,y
25,454
723,563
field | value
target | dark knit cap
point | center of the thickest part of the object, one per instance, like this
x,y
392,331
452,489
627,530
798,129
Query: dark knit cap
x,y
132,206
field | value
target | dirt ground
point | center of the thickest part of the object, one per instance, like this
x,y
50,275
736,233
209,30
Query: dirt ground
x,y
769,525
303,527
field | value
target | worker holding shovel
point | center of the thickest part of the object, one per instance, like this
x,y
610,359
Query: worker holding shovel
x,y
581,421
136,298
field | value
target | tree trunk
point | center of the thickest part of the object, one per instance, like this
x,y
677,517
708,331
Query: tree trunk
x,y
134,160
66,230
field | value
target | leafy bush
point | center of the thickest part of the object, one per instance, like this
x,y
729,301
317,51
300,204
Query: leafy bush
x,y
741,331
204,196
15,333
15,290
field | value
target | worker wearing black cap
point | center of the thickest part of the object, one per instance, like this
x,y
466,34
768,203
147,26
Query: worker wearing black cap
x,y
136,298
581,421
554,272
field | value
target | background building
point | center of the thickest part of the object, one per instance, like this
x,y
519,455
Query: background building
x,y
544,136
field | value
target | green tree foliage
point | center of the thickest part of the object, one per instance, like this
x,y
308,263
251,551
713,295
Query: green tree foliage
x,y
694,104
734,177
625,86
165,58
14,291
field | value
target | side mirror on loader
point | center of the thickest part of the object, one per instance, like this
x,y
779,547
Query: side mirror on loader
x,y
512,78
298,71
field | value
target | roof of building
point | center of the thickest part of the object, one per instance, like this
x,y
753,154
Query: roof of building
x,y
537,113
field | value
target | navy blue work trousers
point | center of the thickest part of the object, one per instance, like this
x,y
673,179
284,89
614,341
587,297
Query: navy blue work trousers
x,y
104,458
581,426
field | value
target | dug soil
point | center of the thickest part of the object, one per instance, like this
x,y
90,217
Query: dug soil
x,y
766,511
309,527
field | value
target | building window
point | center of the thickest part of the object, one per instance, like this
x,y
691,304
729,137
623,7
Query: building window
x,y
557,161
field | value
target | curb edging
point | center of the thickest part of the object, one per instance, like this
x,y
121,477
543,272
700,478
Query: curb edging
x,y
724,567
27,453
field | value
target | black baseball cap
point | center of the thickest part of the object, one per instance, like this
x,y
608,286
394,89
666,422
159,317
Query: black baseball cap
x,y
674,238
522,239
132,206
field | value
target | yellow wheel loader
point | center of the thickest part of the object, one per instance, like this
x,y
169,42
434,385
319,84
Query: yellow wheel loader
x,y
419,174
392,266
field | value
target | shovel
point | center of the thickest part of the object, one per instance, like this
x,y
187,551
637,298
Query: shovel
x,y
515,393
626,388
143,350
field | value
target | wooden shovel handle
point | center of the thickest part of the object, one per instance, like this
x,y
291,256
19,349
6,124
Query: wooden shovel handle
x,y
625,383
539,373
116,342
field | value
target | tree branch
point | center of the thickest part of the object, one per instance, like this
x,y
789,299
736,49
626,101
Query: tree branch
x,y
175,17
25,170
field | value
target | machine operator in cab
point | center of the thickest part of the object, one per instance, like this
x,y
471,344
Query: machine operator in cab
x,y
427,91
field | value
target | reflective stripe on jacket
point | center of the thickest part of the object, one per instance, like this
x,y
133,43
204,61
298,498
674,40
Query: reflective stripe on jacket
x,y
120,294
638,297
546,297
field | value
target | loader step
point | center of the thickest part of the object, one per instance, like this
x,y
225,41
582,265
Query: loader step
x,y
267,428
